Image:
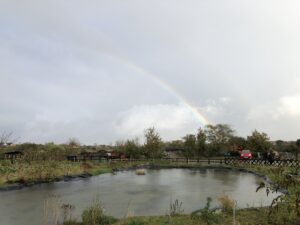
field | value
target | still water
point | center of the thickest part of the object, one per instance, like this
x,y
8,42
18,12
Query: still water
x,y
141,195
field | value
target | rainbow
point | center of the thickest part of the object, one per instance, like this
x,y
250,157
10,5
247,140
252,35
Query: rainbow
x,y
111,53
198,115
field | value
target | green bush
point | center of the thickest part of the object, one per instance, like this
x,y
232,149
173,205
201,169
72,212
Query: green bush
x,y
105,220
94,215
71,222
206,214
226,203
135,222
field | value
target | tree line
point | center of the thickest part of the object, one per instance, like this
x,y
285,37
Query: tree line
x,y
209,141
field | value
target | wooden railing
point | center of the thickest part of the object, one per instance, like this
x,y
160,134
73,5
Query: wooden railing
x,y
220,161
263,162
176,160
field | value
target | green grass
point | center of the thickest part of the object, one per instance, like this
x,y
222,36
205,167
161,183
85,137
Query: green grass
x,y
48,171
250,216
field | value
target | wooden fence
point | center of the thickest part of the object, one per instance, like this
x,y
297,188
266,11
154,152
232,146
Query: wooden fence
x,y
226,161
208,161
176,160
263,162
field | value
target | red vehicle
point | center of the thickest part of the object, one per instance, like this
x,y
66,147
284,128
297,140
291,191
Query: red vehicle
x,y
246,154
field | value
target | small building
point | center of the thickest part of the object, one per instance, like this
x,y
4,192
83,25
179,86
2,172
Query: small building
x,y
72,158
13,155
116,155
175,152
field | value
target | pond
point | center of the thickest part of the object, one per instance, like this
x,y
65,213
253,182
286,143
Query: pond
x,y
150,194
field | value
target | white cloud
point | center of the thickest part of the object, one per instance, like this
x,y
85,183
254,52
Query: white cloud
x,y
172,121
215,108
284,107
289,105
279,119
225,100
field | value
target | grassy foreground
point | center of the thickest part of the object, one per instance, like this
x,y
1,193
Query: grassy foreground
x,y
250,216
243,217
94,215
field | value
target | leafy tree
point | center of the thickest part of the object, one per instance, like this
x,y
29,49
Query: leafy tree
x,y
175,144
119,145
153,143
218,137
292,147
285,208
238,143
259,142
219,134
298,142
298,146
189,145
200,144
132,148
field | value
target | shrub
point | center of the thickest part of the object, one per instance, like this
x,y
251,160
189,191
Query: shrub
x,y
86,166
206,214
94,215
226,203
135,222
71,222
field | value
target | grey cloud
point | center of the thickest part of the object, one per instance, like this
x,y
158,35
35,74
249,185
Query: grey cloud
x,y
72,68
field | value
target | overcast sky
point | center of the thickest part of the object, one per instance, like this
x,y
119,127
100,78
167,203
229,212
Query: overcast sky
x,y
103,71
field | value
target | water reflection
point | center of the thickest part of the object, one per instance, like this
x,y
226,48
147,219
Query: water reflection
x,y
146,195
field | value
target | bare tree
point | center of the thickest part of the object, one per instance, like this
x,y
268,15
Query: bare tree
x,y
73,142
6,137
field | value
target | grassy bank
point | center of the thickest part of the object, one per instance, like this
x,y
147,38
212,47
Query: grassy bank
x,y
94,215
48,171
243,217
251,216
25,172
